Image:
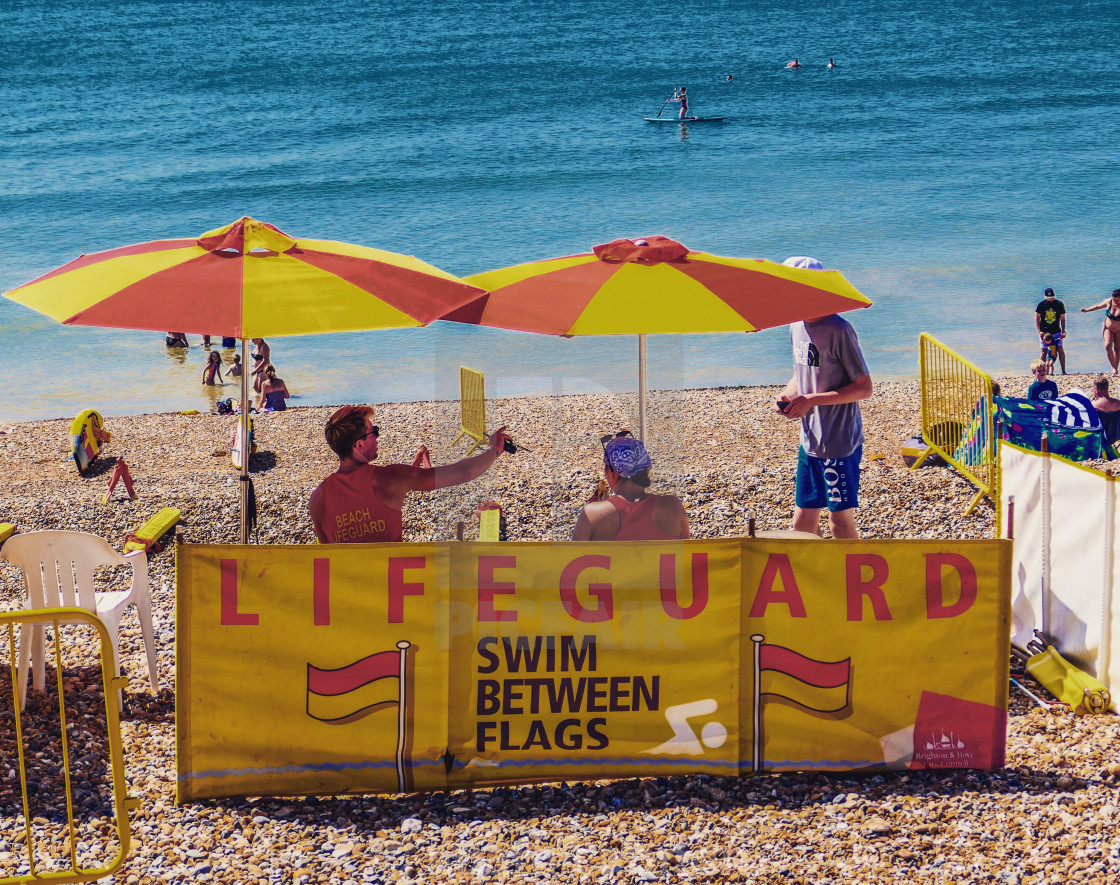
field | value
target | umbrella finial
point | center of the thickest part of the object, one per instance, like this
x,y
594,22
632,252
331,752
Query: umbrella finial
x,y
651,249
244,236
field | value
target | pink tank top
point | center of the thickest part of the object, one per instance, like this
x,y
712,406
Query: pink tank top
x,y
637,520
352,512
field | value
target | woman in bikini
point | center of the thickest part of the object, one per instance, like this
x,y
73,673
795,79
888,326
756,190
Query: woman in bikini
x,y
273,392
1111,331
261,355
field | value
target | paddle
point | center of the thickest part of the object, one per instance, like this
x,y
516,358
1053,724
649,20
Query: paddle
x,y
669,99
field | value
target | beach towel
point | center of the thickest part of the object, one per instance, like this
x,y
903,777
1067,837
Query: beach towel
x,y
975,447
1074,409
1070,423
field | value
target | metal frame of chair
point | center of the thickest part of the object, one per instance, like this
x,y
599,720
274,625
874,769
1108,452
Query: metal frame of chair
x,y
58,571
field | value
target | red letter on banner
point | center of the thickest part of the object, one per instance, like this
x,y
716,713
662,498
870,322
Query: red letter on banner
x,y
231,617
321,592
935,592
778,564
568,579
488,587
872,588
669,599
399,588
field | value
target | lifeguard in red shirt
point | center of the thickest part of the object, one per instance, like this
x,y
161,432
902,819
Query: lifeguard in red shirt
x,y
631,513
361,503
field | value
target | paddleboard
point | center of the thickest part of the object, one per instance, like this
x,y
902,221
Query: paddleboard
x,y
684,119
86,434
235,443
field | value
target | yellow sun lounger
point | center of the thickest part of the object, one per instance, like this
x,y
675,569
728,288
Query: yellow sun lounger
x,y
147,536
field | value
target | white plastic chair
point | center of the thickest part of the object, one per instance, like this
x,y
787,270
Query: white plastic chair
x,y
58,571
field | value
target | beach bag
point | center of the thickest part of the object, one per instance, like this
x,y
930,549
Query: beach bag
x,y
1084,693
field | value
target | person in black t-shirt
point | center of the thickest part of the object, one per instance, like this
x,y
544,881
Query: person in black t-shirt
x,y
1050,316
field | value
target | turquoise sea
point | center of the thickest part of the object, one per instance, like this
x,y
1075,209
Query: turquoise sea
x,y
960,158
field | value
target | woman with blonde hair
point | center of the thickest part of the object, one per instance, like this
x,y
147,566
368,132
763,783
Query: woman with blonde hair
x,y
273,392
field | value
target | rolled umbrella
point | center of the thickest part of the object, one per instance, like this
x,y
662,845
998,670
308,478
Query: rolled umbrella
x,y
653,285
246,280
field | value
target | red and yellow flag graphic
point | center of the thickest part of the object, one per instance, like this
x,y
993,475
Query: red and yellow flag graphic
x,y
349,693
821,686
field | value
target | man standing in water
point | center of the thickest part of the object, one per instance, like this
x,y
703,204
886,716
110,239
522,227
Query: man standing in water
x,y
830,378
1050,316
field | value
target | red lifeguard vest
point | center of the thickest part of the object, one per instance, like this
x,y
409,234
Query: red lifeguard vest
x,y
352,512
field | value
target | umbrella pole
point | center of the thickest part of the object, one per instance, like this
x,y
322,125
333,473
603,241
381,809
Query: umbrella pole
x,y
642,388
244,441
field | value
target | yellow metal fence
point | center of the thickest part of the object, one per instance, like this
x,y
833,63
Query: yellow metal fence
x,y
472,407
66,819
958,417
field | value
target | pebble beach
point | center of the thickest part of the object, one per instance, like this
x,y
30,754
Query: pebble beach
x,y
1052,815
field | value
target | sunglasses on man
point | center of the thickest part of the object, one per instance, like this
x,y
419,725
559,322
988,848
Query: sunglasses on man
x,y
373,431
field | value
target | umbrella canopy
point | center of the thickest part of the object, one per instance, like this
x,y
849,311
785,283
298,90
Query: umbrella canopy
x,y
649,286
245,280
653,285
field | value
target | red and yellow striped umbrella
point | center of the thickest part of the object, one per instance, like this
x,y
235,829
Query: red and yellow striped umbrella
x,y
650,286
246,280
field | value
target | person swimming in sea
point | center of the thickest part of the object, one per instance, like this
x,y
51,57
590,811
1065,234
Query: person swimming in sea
x,y
213,368
728,78
681,96
831,63
796,63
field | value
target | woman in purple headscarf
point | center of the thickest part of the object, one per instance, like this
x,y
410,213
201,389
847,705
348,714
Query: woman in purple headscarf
x,y
631,513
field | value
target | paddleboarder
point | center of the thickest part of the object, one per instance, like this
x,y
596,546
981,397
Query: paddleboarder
x,y
795,64
681,96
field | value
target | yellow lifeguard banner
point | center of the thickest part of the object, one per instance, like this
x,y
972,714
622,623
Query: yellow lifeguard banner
x,y
333,669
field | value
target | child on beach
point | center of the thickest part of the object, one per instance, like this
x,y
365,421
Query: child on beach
x,y
234,370
1041,388
1051,341
213,368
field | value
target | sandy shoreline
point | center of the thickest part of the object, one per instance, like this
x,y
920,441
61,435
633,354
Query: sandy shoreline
x,y
1051,813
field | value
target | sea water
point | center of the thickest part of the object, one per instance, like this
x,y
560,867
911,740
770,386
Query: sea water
x,y
960,158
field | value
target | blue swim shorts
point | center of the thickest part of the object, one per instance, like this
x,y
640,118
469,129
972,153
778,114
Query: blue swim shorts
x,y
828,482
